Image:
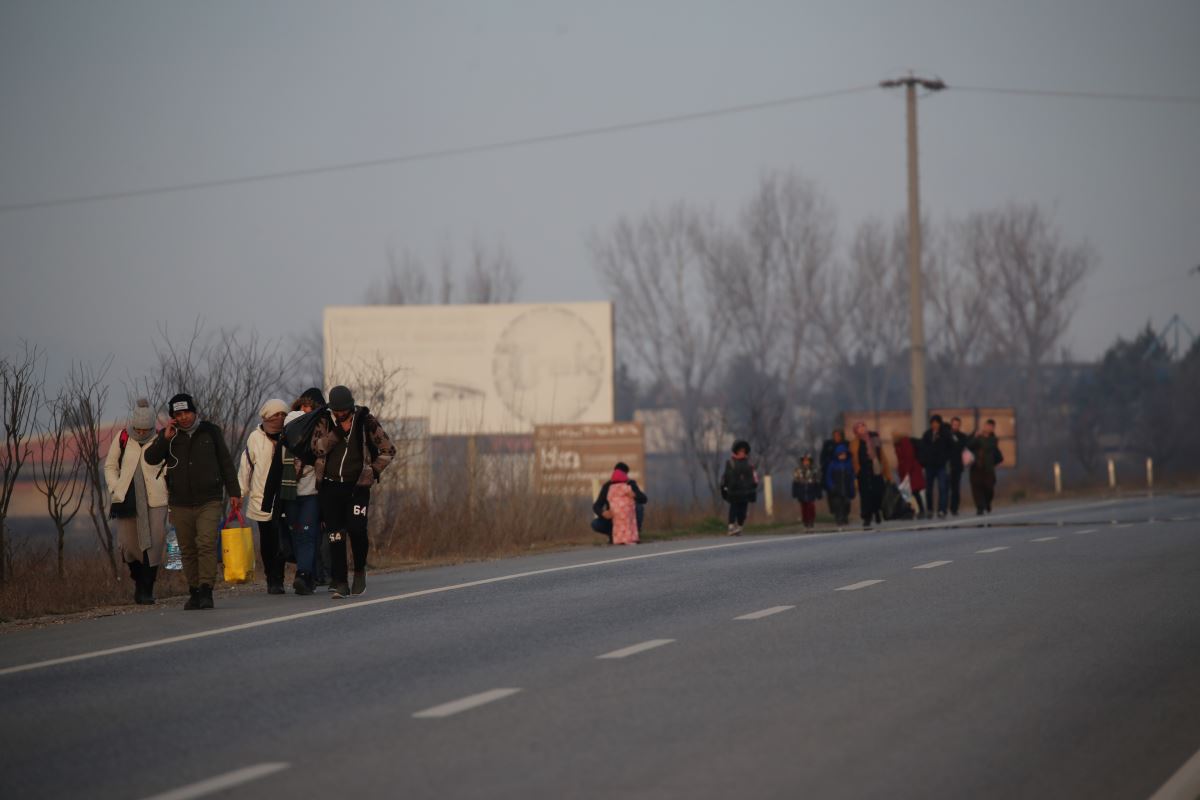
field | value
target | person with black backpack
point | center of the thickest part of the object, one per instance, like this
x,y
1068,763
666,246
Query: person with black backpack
x,y
350,450
739,486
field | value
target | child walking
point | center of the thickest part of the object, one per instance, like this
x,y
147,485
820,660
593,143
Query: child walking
x,y
839,480
806,488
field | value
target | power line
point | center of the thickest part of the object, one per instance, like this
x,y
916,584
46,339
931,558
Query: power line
x,y
431,155
1134,96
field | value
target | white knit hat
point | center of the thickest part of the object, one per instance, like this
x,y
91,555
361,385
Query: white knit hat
x,y
272,407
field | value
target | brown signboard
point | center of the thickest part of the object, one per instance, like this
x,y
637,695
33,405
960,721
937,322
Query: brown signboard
x,y
899,423
569,458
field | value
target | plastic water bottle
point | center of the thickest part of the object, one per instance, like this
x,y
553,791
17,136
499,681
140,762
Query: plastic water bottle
x,y
174,557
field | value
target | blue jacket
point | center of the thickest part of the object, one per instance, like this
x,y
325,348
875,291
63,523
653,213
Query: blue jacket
x,y
839,478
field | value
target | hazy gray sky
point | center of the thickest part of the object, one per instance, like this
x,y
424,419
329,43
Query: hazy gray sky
x,y
107,96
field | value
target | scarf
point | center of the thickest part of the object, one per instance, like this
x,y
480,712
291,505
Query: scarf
x,y
274,474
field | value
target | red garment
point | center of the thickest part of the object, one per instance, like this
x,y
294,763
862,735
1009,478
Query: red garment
x,y
908,466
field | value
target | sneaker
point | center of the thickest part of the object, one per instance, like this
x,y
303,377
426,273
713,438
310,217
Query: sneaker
x,y
302,584
360,582
340,591
732,529
275,588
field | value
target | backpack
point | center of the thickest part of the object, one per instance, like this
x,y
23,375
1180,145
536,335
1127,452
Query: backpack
x,y
298,435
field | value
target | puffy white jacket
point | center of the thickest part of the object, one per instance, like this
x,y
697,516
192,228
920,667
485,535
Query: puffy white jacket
x,y
118,473
253,469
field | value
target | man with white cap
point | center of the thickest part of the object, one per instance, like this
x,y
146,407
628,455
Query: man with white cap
x,y
260,475
199,473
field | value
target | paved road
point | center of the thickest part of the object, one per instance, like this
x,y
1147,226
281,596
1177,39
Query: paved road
x,y
1052,654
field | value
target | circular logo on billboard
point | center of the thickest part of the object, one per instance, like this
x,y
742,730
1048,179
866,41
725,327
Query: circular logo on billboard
x,y
548,366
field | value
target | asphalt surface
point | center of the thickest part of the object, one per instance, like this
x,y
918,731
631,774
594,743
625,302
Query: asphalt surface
x,y
1055,653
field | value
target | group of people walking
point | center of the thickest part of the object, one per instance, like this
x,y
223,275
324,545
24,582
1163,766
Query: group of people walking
x,y
304,504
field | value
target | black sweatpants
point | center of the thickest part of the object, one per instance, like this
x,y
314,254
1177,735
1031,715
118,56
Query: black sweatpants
x,y
737,512
955,488
269,549
344,515
870,496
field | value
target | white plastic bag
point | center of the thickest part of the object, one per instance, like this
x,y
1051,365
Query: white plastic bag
x,y
968,457
906,490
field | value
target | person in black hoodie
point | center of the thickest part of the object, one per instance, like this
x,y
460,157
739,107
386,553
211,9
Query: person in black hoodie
x,y
958,443
602,524
936,447
739,486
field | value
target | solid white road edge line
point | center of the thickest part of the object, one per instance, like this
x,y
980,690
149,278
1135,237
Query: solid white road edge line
x,y
856,586
1044,539
465,703
991,550
222,782
636,648
334,609
1184,784
766,612
933,564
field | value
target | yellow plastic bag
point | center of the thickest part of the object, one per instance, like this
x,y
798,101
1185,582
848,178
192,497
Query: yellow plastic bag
x,y
237,550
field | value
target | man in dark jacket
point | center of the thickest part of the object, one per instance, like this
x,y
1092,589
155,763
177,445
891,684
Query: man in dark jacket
x,y
828,451
739,486
351,450
603,524
936,447
986,448
199,474
958,443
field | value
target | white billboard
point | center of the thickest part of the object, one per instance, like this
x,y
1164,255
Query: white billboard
x,y
476,369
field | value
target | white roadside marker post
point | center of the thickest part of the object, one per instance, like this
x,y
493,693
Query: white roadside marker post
x,y
1150,474
1112,474
1057,478
769,496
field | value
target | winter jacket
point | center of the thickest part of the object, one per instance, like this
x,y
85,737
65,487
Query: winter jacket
x,y
987,454
739,483
601,504
199,468
118,473
373,450
829,453
839,479
958,443
907,465
806,484
936,448
252,474
861,459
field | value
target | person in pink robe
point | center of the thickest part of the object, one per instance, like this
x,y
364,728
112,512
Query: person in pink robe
x,y
623,508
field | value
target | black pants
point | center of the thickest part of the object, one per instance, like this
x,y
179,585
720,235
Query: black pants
x,y
737,512
839,504
983,489
269,549
344,515
955,489
870,496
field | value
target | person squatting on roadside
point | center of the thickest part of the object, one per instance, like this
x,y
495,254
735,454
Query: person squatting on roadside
x,y
958,443
839,481
603,523
936,448
872,469
806,488
351,450
986,449
303,516
739,486
199,471
622,505
138,495
909,466
260,474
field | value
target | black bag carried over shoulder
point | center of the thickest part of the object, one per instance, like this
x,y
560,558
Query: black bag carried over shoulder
x,y
298,435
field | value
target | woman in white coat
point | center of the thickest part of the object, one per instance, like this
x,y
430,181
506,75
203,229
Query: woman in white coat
x,y
261,477
138,496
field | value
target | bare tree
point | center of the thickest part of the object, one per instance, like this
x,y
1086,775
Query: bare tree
x,y
489,277
1033,281
58,471
87,397
864,316
769,271
669,320
960,338
229,373
20,389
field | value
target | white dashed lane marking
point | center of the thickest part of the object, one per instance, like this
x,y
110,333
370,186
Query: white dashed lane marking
x,y
991,550
933,564
632,650
856,586
1044,539
766,612
1085,530
465,704
220,783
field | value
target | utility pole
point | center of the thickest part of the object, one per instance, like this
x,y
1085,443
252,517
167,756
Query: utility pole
x,y
916,308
